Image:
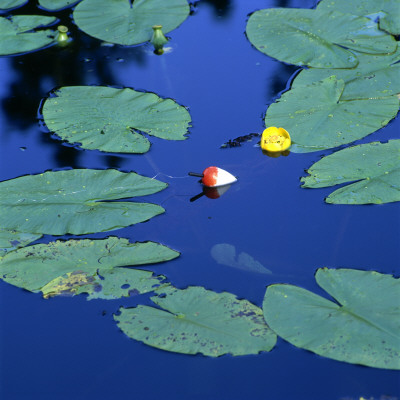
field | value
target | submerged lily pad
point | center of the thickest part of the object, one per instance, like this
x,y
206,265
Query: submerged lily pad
x,y
126,22
55,5
225,254
317,118
11,240
361,328
86,266
374,76
376,167
316,38
110,119
387,10
196,320
76,201
9,4
18,33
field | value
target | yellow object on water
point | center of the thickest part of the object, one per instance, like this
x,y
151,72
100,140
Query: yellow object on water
x,y
275,139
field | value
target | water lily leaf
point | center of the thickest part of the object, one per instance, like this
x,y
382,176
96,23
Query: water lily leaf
x,y
55,5
374,76
11,240
127,23
18,34
312,37
196,320
68,268
225,254
376,167
361,328
8,4
387,10
317,119
76,201
110,119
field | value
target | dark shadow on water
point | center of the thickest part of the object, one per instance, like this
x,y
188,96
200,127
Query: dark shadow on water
x,y
222,8
83,61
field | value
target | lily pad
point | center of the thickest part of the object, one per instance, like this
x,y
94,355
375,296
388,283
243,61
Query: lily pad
x,y
361,328
374,76
317,119
11,240
225,254
86,266
76,201
55,5
127,23
9,4
196,320
316,38
110,119
376,167
18,34
387,10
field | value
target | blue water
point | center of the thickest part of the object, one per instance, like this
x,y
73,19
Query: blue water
x,y
69,348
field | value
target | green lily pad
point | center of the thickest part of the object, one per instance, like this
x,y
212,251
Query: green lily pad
x,y
317,119
55,5
374,76
11,240
76,201
196,320
316,38
361,328
376,167
18,33
86,266
127,23
8,4
110,119
388,11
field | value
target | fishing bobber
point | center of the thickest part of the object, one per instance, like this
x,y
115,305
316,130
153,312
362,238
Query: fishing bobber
x,y
214,177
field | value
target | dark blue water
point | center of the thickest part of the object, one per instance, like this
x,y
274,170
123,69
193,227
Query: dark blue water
x,y
69,348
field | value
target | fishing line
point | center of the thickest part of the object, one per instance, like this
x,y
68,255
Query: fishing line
x,y
169,176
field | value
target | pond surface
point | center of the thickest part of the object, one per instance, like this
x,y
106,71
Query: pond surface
x,y
70,348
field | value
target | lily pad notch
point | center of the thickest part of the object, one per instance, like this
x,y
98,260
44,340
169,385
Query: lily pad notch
x,y
98,267
129,23
21,34
362,327
111,119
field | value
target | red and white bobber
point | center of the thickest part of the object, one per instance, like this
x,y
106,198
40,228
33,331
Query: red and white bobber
x,y
214,177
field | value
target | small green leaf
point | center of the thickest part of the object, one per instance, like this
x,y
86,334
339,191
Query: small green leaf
x,y
316,38
374,76
376,167
86,266
111,119
362,329
196,320
387,10
17,33
8,4
55,5
127,23
317,119
75,201
11,240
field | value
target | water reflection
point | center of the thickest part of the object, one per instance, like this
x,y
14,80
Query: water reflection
x,y
222,8
84,61
211,192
